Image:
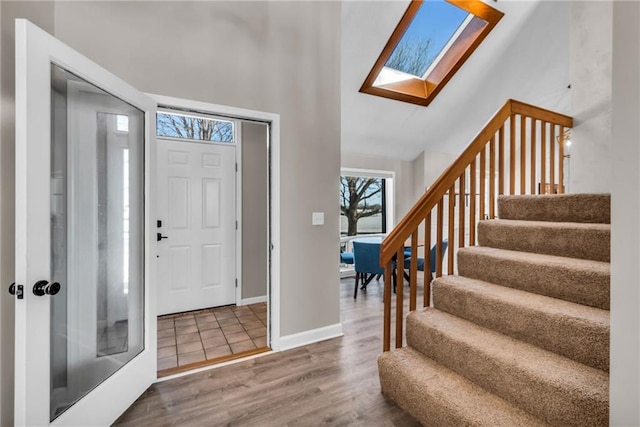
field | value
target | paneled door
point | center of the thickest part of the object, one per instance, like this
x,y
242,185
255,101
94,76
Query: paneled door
x,y
197,218
85,311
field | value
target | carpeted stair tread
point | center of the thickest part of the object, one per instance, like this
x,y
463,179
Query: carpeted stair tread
x,y
437,396
576,280
568,239
554,388
572,330
585,208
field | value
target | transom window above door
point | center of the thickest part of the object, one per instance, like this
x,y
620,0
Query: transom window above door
x,y
194,127
430,43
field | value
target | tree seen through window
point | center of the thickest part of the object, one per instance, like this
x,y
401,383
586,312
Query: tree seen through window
x,y
362,205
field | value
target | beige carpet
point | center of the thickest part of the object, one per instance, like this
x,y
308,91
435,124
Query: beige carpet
x,y
521,336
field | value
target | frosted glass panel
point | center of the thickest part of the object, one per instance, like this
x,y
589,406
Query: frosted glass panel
x,y
97,236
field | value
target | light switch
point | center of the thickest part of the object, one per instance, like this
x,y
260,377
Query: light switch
x,y
317,218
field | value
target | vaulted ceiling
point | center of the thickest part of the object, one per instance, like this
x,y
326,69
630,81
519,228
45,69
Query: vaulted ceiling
x,y
526,57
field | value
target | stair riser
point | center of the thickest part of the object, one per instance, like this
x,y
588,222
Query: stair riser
x,y
576,338
583,286
583,243
510,380
437,397
583,208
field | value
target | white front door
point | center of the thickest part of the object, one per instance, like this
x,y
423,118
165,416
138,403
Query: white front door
x,y
85,311
197,219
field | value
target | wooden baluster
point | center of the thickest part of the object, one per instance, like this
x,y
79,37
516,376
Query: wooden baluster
x,y
512,154
501,177
426,274
439,237
543,158
523,154
399,295
461,211
482,179
492,178
451,237
534,145
561,161
413,272
386,333
472,203
552,159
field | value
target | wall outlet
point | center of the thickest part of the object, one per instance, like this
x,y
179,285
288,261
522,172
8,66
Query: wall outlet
x,y
317,218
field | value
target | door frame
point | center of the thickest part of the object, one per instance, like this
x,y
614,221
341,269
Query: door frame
x,y
273,214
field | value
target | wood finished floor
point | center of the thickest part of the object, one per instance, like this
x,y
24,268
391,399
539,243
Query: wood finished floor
x,y
334,382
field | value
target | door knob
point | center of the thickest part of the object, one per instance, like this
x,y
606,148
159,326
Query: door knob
x,y
43,287
16,290
159,236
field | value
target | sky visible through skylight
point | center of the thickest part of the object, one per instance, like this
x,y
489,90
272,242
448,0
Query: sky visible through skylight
x,y
436,22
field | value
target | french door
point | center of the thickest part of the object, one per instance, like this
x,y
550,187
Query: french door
x,y
85,313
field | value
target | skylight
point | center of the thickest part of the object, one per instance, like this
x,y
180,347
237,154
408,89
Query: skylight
x,y
430,43
429,33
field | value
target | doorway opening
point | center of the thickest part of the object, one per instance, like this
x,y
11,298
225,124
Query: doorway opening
x,y
213,237
366,209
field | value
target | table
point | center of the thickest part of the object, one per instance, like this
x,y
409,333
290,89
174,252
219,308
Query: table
x,y
377,240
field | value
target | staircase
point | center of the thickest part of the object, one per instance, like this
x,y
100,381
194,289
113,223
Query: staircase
x,y
520,336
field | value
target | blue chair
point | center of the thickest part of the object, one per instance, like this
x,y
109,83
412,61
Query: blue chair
x,y
346,258
432,257
366,263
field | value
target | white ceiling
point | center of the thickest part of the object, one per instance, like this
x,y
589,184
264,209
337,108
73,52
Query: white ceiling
x,y
525,57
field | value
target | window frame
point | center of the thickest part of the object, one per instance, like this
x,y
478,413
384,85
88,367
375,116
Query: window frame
x,y
168,110
421,91
388,192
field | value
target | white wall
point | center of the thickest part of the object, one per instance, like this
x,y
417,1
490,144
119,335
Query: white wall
x,y
419,183
435,163
625,217
591,32
278,57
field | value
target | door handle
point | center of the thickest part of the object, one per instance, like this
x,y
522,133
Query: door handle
x,y
159,236
43,287
16,290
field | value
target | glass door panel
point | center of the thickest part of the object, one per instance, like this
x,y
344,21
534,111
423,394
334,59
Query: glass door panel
x,y
97,236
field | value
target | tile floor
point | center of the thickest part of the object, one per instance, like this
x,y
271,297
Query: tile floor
x,y
196,336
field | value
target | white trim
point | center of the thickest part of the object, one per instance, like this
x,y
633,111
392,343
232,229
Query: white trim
x,y
367,173
215,366
273,330
311,336
253,300
238,183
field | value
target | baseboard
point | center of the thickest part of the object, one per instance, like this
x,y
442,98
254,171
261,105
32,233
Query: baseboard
x,y
309,337
253,300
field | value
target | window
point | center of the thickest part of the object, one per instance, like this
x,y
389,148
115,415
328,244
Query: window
x,y
430,43
122,123
193,127
362,205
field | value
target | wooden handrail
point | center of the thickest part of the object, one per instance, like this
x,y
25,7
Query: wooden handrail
x,y
463,170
